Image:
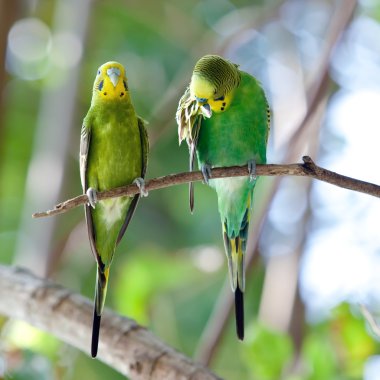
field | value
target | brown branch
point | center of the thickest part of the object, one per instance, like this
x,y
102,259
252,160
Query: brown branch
x,y
307,169
124,345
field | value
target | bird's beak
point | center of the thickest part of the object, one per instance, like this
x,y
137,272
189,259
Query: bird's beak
x,y
205,107
114,75
206,110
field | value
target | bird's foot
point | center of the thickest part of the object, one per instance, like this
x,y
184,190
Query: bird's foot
x,y
206,171
252,170
140,183
92,196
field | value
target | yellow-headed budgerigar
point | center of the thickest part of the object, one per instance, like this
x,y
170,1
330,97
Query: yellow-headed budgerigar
x,y
113,153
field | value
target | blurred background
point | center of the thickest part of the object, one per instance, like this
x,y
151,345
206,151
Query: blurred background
x,y
314,248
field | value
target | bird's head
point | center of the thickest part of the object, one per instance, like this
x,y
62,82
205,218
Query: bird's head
x,y
111,82
213,83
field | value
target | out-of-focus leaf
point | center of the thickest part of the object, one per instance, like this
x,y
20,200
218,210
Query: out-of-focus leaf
x,y
351,340
31,366
145,274
266,352
23,335
319,357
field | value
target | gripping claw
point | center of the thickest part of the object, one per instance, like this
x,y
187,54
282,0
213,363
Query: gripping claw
x,y
252,170
140,183
206,171
92,196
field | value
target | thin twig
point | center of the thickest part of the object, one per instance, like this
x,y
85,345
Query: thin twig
x,y
124,345
370,319
307,169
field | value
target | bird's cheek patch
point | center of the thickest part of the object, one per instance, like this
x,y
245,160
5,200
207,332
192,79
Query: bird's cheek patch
x,y
221,104
218,106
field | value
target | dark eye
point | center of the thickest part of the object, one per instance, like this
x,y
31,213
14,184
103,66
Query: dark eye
x,y
221,98
98,72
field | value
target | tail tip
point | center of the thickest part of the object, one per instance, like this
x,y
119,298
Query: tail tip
x,y
95,335
239,313
94,352
240,334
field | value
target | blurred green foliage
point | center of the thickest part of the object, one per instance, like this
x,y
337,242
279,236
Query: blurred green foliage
x,y
170,266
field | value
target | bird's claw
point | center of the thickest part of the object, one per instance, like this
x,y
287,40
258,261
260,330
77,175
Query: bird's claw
x,y
92,196
140,183
206,172
252,170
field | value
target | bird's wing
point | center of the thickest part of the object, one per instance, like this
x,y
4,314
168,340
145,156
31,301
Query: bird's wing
x,y
189,119
144,145
85,140
144,155
187,115
85,137
269,117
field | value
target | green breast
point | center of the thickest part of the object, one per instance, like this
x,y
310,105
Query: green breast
x,y
234,137
239,134
114,157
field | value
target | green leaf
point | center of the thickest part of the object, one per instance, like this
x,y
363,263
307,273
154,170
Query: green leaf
x,y
266,352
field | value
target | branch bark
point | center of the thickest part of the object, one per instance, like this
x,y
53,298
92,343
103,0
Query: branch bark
x,y
307,169
124,345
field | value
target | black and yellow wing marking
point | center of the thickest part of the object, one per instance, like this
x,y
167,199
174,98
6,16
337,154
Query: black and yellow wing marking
x,y
269,118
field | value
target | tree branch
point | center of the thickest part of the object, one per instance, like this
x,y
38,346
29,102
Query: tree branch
x,y
124,345
307,169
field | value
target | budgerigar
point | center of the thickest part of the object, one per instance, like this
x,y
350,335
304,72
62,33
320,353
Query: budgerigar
x,y
113,153
225,118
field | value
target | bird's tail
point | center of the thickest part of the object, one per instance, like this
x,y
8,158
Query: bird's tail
x,y
235,249
100,296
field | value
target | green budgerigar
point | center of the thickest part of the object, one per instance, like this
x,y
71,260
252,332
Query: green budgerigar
x,y
225,118
113,153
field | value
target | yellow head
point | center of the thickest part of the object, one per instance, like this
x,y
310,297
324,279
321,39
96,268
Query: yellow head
x,y
111,83
213,83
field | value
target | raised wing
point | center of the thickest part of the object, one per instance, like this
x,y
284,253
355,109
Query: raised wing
x,y
189,119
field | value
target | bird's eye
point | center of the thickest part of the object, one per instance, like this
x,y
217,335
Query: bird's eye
x,y
220,98
98,72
